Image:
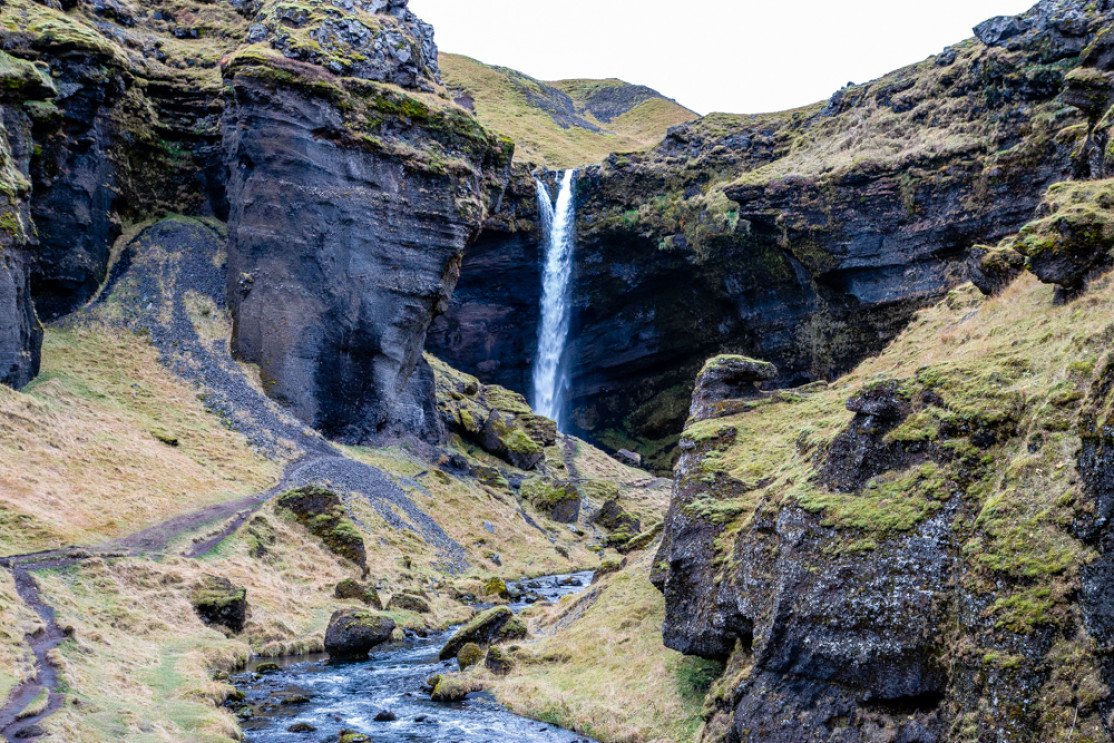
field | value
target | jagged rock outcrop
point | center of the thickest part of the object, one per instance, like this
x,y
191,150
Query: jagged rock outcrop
x,y
501,422
20,332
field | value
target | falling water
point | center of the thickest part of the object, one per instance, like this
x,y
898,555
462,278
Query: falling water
x,y
558,222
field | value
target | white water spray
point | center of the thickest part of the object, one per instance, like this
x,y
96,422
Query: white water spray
x,y
558,223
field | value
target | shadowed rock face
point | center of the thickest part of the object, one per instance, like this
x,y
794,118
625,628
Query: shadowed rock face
x,y
339,258
20,333
75,188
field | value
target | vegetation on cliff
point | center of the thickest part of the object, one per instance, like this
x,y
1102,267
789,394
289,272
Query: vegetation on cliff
x,y
562,124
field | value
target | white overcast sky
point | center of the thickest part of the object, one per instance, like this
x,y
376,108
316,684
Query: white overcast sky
x,y
741,56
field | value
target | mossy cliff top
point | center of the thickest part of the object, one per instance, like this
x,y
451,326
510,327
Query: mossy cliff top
x,y
989,106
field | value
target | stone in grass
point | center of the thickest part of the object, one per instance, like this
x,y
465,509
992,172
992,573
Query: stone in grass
x,y
514,629
323,514
483,628
353,589
558,500
499,661
219,602
469,655
352,633
409,602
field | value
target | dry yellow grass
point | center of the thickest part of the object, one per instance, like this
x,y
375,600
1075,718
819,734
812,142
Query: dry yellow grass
x,y
80,461
16,620
600,667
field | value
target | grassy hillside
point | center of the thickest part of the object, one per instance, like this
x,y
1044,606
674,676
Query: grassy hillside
x,y
563,124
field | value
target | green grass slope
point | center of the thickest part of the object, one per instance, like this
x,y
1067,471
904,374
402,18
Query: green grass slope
x,y
567,123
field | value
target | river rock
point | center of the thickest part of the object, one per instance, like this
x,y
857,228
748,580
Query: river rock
x,y
469,655
352,633
482,630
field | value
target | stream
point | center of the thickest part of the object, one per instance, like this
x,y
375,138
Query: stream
x,y
330,697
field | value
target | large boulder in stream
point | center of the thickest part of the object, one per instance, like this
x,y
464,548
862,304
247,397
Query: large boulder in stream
x,y
482,630
352,633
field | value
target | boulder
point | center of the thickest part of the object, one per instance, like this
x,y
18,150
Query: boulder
x,y
353,633
498,661
629,458
496,587
1074,235
612,517
558,500
409,602
450,688
481,630
323,513
219,602
353,589
469,655
992,269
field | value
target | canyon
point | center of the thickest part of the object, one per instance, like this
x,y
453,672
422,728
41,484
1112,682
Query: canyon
x,y
296,310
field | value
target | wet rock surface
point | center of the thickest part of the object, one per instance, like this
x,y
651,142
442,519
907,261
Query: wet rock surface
x,y
353,633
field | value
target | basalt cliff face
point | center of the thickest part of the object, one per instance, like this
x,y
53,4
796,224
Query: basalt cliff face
x,y
319,131
919,550
808,237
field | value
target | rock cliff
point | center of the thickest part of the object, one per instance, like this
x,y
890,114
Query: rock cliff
x,y
807,237
319,131
918,551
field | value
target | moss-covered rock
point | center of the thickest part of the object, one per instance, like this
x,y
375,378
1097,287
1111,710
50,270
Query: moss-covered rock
x,y
560,501
450,688
496,419
613,517
353,589
219,602
469,655
481,630
409,602
499,661
992,269
495,586
352,736
322,512
352,633
1075,234
514,629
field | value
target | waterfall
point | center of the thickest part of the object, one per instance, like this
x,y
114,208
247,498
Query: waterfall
x,y
558,226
